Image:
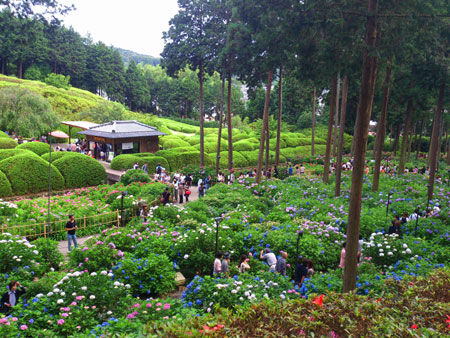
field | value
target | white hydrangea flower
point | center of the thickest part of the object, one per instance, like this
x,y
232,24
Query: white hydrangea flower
x,y
84,288
91,297
59,301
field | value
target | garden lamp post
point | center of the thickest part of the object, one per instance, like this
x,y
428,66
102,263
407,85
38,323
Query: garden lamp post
x,y
299,236
217,220
448,181
428,200
122,222
388,202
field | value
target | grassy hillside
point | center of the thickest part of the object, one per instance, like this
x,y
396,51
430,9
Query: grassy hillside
x,y
182,145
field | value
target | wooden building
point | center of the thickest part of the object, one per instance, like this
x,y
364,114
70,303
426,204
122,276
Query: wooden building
x,y
122,137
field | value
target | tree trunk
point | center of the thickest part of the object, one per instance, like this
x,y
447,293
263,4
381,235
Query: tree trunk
x,y
280,111
202,119
336,117
19,68
368,81
313,121
337,190
381,130
3,66
410,141
326,167
219,139
266,166
230,126
397,137
263,132
401,165
441,132
419,141
448,152
434,141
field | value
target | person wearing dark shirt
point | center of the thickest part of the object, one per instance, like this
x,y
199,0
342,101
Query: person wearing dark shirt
x,y
11,297
71,227
301,272
395,228
166,196
281,264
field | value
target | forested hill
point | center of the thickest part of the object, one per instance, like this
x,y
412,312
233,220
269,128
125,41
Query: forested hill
x,y
128,55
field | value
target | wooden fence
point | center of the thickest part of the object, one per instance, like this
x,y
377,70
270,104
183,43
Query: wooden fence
x,y
103,221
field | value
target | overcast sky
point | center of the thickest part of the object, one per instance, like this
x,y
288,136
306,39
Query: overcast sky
x,y
136,25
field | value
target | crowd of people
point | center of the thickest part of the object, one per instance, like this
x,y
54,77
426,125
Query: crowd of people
x,y
304,269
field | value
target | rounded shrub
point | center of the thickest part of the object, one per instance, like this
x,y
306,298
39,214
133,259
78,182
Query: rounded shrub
x,y
131,176
38,148
184,149
244,145
180,160
239,137
3,134
175,143
143,154
56,155
7,143
239,160
29,174
5,186
80,170
6,153
152,163
124,161
210,147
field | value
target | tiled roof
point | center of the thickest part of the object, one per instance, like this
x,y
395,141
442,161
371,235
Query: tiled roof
x,y
122,129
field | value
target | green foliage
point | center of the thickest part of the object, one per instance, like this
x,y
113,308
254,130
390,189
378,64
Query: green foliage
x,y
104,112
178,160
244,145
7,143
5,186
153,273
80,170
175,143
58,80
30,174
3,134
56,155
134,176
126,161
39,148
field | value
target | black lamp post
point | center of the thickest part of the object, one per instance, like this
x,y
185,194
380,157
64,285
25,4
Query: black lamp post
x,y
49,191
428,200
299,236
389,201
448,181
122,221
217,220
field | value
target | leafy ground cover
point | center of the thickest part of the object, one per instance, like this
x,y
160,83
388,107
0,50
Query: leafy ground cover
x,y
118,283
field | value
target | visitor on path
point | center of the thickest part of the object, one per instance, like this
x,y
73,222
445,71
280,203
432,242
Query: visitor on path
x,y
281,264
176,186
11,297
301,272
136,166
158,171
269,257
360,243
226,260
302,170
217,269
297,170
166,196
181,191
290,170
71,227
207,182
187,193
243,265
275,171
145,167
201,190
342,262
140,206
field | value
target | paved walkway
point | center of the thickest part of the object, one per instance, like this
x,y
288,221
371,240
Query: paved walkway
x,y
63,245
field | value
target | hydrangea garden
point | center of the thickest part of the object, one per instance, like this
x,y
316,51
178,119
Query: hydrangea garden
x,y
121,281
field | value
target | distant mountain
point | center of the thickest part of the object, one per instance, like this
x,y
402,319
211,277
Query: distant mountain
x,y
128,55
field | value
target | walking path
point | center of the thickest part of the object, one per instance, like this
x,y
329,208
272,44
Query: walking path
x,y
63,245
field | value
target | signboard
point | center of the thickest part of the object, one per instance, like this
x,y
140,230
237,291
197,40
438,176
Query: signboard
x,y
126,146
99,139
110,156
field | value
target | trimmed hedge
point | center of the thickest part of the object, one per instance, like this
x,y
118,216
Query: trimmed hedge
x,y
29,174
180,160
238,159
56,155
5,186
252,157
184,149
80,170
38,148
194,140
143,155
175,143
273,144
244,145
126,161
6,153
210,147
239,137
134,176
7,143
3,134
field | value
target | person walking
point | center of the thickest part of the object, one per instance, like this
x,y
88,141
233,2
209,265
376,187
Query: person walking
x,y
71,227
176,186
217,269
181,191
145,167
207,182
166,196
226,260
201,190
